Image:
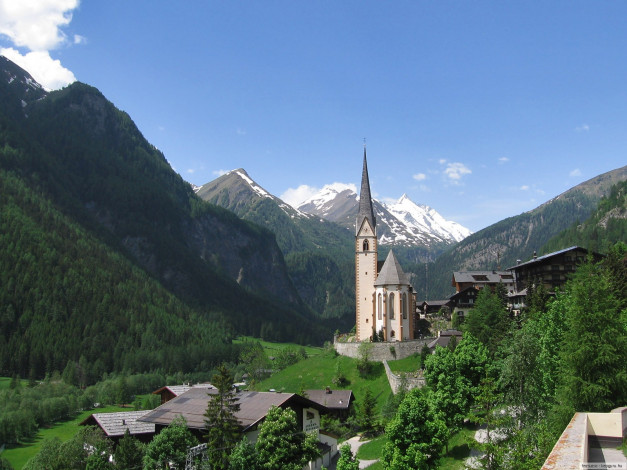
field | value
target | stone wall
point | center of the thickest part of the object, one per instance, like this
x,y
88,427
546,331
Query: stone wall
x,y
395,380
382,351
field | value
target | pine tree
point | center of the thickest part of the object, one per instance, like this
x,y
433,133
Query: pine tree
x,y
222,427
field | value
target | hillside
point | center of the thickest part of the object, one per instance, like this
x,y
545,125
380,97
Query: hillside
x,y
85,168
318,253
605,227
515,238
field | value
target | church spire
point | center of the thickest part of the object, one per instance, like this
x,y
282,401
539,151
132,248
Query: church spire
x,y
365,201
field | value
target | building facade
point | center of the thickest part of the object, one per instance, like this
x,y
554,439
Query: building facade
x,y
384,299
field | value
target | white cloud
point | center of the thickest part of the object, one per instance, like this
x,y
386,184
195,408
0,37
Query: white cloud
x,y
240,131
35,25
420,177
503,160
46,70
582,128
442,161
191,171
295,196
524,187
78,39
220,172
455,171
575,172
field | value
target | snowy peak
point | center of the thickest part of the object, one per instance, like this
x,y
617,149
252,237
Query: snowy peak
x,y
236,188
401,223
332,202
422,218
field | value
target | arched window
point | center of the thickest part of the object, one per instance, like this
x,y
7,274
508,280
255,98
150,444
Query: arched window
x,y
380,307
366,245
404,306
391,306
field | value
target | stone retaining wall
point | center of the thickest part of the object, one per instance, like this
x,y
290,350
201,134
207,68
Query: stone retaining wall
x,y
395,380
382,351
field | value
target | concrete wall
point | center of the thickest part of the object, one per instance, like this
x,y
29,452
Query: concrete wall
x,y
381,351
395,380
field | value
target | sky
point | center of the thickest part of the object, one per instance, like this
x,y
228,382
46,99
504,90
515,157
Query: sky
x,y
480,109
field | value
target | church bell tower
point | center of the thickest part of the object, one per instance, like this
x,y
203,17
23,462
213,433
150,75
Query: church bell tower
x,y
365,259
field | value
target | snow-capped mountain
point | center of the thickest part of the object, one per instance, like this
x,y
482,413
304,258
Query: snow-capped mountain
x,y
423,218
402,223
235,189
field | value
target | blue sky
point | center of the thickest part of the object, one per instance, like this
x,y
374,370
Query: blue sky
x,y
482,110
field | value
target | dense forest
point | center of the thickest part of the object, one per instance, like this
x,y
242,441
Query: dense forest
x,y
108,258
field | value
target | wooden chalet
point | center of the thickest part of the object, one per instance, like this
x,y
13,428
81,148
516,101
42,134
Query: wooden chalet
x,y
552,269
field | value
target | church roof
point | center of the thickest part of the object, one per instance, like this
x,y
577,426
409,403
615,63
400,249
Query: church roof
x,y
365,200
391,272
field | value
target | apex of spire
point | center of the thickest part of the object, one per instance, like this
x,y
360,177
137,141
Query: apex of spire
x,y
365,200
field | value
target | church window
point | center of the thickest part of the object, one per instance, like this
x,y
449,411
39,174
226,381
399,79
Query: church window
x,y
379,307
391,310
366,245
404,306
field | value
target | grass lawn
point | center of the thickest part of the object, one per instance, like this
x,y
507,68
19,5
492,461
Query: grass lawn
x,y
317,372
272,348
373,449
458,449
409,364
5,382
18,455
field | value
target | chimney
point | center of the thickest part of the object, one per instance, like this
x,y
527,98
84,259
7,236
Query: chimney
x,y
535,255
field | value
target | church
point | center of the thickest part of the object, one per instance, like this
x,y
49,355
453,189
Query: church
x,y
385,300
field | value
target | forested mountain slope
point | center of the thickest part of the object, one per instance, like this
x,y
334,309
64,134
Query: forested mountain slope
x,y
319,254
75,154
602,230
503,243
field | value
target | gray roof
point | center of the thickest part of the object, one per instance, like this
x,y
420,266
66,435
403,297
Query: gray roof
x,y
444,338
365,200
391,273
333,399
482,276
550,255
177,390
116,424
192,406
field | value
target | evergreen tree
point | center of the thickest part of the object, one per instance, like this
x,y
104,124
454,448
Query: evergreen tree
x,y
489,320
223,431
594,377
366,416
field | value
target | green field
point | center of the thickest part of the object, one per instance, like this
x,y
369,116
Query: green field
x,y
18,455
272,349
409,364
317,372
5,382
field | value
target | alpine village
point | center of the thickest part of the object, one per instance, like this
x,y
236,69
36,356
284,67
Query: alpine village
x,y
148,324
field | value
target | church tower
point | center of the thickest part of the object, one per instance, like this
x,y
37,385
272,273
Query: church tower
x,y
365,259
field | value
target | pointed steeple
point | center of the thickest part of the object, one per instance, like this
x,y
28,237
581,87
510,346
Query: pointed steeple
x,y
365,200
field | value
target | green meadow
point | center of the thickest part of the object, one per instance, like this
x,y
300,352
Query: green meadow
x,y
18,455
